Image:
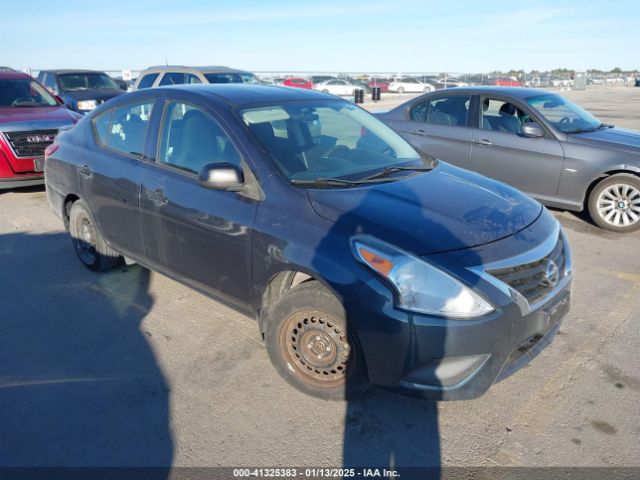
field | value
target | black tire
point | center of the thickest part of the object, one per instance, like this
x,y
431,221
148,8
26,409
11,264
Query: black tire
x,y
308,321
88,242
628,205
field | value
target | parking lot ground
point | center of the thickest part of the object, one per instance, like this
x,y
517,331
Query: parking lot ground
x,y
132,368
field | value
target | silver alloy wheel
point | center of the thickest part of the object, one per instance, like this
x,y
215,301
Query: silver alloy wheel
x,y
619,205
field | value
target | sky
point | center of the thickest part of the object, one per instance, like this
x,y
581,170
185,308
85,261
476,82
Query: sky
x,y
332,36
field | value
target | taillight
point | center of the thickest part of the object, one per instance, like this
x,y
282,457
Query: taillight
x,y
51,149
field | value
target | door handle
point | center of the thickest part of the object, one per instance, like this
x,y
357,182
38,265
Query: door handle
x,y
483,141
157,196
86,171
420,132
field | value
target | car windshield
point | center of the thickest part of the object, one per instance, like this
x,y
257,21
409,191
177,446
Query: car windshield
x,y
563,114
86,81
232,78
24,92
320,140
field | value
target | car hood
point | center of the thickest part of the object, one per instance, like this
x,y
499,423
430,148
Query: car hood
x,y
616,138
103,95
444,209
29,118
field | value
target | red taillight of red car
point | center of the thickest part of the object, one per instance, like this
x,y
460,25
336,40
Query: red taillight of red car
x,y
50,150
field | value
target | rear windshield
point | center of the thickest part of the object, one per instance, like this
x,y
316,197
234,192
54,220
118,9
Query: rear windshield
x,y
231,78
86,81
24,92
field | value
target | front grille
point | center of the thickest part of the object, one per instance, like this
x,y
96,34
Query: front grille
x,y
31,143
536,279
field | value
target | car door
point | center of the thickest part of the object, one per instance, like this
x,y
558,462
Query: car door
x,y
196,234
439,125
339,87
111,174
411,85
501,151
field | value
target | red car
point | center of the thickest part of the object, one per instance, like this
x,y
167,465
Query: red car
x,y
29,121
506,82
297,82
383,83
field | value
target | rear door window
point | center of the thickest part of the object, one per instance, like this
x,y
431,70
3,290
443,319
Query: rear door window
x,y
147,80
124,128
452,110
172,78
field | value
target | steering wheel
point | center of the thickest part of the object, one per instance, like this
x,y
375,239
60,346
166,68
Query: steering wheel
x,y
20,100
564,120
334,151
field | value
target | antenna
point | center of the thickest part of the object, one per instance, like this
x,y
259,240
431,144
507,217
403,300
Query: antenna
x,y
165,60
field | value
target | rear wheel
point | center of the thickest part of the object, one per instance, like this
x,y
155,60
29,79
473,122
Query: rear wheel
x,y
614,203
310,345
400,89
88,243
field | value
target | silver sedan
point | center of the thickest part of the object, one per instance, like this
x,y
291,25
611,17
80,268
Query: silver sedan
x,y
532,139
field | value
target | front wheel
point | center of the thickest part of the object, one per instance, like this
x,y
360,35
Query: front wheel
x,y
400,89
310,344
614,203
88,243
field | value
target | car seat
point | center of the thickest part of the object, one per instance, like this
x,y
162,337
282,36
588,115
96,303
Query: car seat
x,y
507,121
199,143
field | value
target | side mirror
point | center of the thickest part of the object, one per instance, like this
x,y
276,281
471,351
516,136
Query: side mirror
x,y
532,130
222,176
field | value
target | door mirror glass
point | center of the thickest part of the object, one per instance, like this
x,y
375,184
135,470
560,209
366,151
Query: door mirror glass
x,y
532,130
222,176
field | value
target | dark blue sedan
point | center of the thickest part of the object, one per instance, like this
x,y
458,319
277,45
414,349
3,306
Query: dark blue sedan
x,y
363,261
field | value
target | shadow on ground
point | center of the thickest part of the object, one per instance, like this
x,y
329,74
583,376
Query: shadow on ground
x,y
79,384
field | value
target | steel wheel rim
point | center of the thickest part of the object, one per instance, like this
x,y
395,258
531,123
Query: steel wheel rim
x,y
619,205
317,346
85,244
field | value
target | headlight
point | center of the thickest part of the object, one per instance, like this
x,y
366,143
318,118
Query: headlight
x,y
419,286
87,104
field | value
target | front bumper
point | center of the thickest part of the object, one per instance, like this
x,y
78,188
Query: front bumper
x,y
433,358
437,358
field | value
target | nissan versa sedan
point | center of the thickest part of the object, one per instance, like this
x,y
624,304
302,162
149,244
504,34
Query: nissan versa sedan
x,y
536,141
363,261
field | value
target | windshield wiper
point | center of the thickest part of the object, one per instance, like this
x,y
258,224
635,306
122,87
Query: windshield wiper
x,y
395,168
594,129
335,182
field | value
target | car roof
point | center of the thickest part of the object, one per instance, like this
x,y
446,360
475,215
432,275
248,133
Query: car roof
x,y
182,68
242,94
70,71
13,74
516,92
